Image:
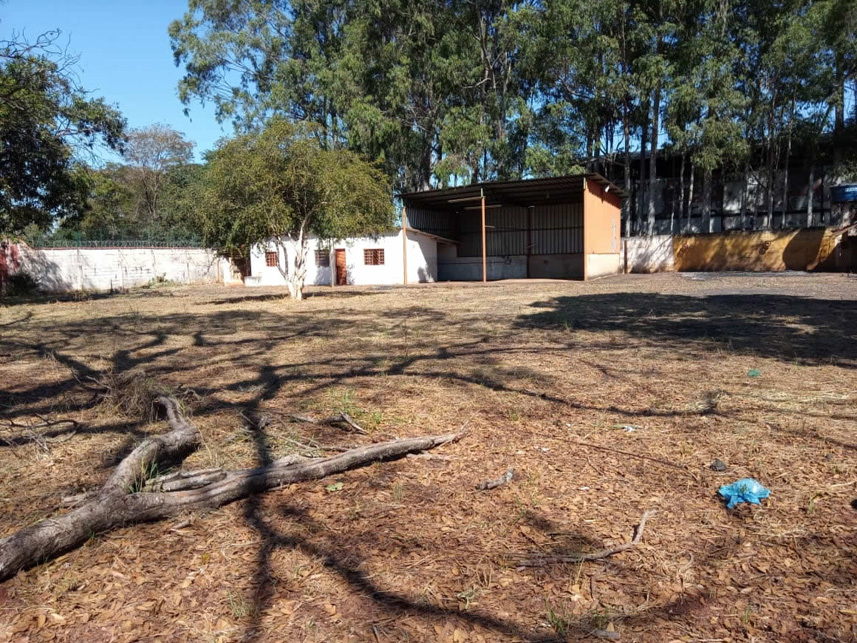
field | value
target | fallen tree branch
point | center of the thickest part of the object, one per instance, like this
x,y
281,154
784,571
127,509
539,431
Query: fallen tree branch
x,y
124,498
497,482
336,420
598,555
40,425
28,433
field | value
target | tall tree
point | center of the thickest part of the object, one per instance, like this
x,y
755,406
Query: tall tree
x,y
151,152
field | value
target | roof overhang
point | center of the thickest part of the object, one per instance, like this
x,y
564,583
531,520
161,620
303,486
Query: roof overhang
x,y
435,237
524,193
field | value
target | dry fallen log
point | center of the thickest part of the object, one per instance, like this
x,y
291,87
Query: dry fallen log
x,y
541,561
128,497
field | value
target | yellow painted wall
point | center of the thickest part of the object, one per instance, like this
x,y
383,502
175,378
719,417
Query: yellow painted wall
x,y
807,249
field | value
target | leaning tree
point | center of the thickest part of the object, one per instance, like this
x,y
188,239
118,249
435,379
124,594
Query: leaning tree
x,y
280,183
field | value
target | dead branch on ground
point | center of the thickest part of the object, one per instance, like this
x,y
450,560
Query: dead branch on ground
x,y
631,454
497,482
337,420
131,495
28,433
598,555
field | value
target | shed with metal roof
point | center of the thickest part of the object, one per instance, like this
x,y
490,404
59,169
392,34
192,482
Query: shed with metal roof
x,y
565,227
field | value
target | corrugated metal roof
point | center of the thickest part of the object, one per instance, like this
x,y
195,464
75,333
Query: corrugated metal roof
x,y
525,193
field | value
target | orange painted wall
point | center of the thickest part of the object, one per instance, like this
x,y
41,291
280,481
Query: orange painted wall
x,y
602,213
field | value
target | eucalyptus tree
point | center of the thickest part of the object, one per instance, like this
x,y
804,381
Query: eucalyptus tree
x,y
151,152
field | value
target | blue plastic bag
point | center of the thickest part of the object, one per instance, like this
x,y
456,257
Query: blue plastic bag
x,y
744,490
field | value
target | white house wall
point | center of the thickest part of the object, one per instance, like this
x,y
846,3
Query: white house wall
x,y
422,261
260,273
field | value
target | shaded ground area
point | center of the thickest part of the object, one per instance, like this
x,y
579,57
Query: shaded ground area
x,y
757,371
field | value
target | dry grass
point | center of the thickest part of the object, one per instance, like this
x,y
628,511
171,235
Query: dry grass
x,y
410,550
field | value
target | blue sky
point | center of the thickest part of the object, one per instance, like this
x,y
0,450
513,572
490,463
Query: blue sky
x,y
125,57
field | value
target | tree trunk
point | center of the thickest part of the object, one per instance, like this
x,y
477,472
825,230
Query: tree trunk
x,y
810,192
644,136
125,498
296,277
626,134
838,116
653,159
745,196
690,197
680,190
786,168
707,223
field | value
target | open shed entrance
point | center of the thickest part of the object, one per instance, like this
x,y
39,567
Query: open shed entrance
x,y
563,227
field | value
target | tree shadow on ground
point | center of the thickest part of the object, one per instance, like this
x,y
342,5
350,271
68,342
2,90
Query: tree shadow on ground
x,y
792,329
786,328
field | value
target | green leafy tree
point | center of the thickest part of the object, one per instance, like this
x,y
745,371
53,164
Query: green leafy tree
x,y
281,183
46,123
151,152
110,209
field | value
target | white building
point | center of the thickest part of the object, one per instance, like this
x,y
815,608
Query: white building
x,y
565,227
362,261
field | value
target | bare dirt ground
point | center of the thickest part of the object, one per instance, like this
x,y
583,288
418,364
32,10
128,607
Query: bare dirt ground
x,y
756,370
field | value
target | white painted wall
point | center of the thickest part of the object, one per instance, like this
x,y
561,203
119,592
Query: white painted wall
x,y
601,265
422,261
649,254
260,273
101,269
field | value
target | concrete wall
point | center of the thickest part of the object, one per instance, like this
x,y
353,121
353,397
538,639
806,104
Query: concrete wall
x,y
603,265
451,267
262,274
804,249
102,269
422,261
562,266
602,214
648,254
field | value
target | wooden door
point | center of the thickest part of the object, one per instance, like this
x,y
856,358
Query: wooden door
x,y
341,270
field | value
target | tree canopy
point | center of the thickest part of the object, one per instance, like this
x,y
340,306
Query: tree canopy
x,y
46,122
448,91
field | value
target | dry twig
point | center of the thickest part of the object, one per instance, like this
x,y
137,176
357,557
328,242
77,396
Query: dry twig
x,y
598,555
634,455
336,420
497,482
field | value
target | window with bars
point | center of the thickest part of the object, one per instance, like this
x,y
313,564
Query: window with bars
x,y
272,259
322,258
373,256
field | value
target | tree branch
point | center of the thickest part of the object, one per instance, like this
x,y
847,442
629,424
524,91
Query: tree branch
x,y
598,555
130,497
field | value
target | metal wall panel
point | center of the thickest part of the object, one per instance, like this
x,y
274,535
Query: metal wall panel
x,y
506,232
557,229
432,221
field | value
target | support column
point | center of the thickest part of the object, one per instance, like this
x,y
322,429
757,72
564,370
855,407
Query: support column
x,y
484,245
404,245
529,250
